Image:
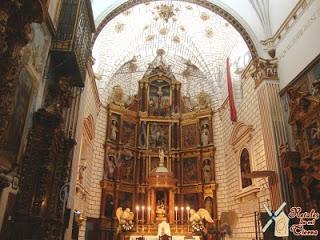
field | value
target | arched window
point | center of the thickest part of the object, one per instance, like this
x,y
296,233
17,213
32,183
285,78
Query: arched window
x,y
245,168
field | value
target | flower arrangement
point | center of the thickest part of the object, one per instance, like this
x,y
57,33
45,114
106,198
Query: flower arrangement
x,y
126,226
197,226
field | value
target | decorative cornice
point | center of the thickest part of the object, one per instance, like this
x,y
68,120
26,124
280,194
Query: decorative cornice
x,y
287,24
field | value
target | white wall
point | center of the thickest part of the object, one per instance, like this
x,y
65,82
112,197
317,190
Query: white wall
x,y
301,45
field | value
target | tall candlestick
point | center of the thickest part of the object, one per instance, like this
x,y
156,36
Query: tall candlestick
x,y
176,216
188,210
149,218
137,217
182,208
142,214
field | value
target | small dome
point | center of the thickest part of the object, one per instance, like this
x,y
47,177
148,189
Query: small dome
x,y
161,169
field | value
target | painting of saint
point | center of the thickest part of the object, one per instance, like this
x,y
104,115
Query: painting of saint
x,y
191,200
128,134
11,141
190,170
159,98
158,135
127,168
189,133
245,168
143,135
125,200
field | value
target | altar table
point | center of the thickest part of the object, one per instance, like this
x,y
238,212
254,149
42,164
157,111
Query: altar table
x,y
157,238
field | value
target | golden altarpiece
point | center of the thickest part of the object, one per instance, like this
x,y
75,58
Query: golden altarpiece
x,y
158,123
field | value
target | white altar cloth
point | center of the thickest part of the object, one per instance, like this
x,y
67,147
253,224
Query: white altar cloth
x,y
157,238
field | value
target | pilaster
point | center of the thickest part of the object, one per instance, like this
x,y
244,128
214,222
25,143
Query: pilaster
x,y
264,73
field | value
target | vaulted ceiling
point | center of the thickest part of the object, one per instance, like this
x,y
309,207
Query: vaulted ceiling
x,y
190,34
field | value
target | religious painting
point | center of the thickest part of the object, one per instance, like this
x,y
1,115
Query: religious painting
x,y
36,51
190,170
114,127
159,98
313,135
191,200
206,171
11,141
158,135
128,133
143,135
109,206
245,168
204,131
125,200
127,168
189,136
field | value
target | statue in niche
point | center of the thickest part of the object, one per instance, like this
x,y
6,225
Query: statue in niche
x,y
205,134
206,171
111,167
114,130
161,210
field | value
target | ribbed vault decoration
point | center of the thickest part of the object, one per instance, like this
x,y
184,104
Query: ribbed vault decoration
x,y
196,40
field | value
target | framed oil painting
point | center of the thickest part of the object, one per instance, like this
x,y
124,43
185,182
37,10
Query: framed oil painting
x,y
129,133
190,170
159,98
158,135
189,136
10,145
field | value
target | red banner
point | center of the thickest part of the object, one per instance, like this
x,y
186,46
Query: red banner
x,y
233,111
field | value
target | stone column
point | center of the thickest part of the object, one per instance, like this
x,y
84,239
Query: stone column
x,y
264,73
171,206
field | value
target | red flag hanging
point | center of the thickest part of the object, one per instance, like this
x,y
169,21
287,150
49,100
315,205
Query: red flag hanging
x,y
233,111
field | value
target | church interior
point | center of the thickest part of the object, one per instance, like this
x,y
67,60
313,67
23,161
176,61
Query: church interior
x,y
159,119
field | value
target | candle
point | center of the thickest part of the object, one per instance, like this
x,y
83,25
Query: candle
x,y
176,213
142,214
149,214
182,208
188,209
137,210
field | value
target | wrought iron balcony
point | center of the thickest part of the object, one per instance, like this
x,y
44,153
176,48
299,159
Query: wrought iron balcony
x,y
72,44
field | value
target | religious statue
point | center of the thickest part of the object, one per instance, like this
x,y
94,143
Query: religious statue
x,y
111,167
161,211
161,157
114,130
204,134
206,171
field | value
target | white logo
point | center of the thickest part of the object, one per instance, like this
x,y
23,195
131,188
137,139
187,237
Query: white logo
x,y
281,221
